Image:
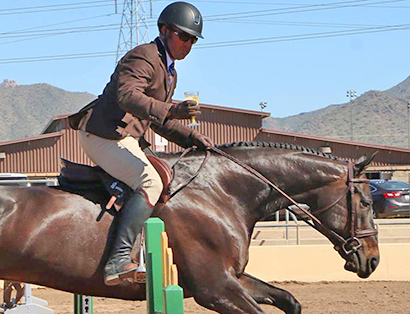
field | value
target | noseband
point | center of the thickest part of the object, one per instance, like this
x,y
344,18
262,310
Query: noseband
x,y
349,246
345,247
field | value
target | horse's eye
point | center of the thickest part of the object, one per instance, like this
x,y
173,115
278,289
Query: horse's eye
x,y
366,202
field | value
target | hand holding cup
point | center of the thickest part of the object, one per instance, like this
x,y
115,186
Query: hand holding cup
x,y
184,110
193,96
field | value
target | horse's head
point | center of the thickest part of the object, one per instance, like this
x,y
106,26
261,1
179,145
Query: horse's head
x,y
346,210
339,200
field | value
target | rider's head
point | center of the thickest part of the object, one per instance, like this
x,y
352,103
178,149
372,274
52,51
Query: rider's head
x,y
180,25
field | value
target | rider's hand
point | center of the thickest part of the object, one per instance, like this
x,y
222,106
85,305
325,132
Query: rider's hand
x,y
202,141
184,110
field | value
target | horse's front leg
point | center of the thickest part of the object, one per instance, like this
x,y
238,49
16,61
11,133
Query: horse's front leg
x,y
225,295
265,293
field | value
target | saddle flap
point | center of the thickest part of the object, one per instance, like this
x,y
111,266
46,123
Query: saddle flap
x,y
165,172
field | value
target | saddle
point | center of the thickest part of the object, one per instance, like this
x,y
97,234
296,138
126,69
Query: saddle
x,y
93,183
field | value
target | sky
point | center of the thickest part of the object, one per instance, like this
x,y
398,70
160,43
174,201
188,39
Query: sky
x,y
295,55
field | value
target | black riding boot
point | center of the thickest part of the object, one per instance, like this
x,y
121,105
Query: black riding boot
x,y
131,219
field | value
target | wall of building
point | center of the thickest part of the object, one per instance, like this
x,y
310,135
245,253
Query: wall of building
x,y
40,155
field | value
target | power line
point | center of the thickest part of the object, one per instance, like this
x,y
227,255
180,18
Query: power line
x,y
310,24
100,3
53,8
108,27
60,23
234,15
39,35
58,57
363,29
55,5
300,9
61,31
286,4
247,42
244,42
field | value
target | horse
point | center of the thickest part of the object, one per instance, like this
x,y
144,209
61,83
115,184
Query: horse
x,y
51,238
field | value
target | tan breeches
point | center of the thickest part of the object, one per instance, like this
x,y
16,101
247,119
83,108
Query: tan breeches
x,y
125,161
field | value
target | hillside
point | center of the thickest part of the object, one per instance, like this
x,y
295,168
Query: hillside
x,y
25,110
378,117
401,91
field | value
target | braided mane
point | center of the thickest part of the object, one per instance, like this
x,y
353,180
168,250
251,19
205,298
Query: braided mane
x,y
278,145
268,144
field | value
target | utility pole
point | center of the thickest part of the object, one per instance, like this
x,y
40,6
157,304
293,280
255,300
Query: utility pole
x,y
263,105
134,27
351,94
408,124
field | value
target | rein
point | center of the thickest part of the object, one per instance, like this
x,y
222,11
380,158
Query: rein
x,y
181,186
344,246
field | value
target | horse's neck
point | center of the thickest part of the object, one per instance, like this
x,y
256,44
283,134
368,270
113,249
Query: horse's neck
x,y
294,169
296,173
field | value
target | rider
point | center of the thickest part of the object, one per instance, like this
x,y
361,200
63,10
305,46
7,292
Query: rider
x,y
138,96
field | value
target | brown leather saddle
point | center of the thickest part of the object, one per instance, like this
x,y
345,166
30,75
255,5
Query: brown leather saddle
x,y
95,184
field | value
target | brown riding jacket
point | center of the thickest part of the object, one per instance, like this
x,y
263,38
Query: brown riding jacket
x,y
138,96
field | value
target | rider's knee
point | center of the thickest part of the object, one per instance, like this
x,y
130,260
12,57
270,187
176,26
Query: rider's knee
x,y
153,188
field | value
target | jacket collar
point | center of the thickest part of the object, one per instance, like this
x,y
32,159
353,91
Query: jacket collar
x,y
161,51
163,56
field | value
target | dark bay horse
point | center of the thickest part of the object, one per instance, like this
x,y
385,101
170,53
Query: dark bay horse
x,y
51,238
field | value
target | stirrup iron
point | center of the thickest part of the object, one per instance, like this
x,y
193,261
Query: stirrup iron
x,y
140,272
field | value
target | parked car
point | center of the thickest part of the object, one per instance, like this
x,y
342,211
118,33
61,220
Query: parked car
x,y
390,198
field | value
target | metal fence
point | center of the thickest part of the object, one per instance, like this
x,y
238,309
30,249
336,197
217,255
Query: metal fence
x,y
291,223
46,182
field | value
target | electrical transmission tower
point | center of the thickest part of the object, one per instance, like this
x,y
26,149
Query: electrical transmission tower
x,y
134,26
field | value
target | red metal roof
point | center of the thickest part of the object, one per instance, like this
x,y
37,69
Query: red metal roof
x,y
334,140
32,138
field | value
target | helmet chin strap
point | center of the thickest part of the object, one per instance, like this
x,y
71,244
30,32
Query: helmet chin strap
x,y
164,38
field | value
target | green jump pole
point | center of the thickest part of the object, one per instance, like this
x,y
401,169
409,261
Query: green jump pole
x,y
174,299
154,285
83,304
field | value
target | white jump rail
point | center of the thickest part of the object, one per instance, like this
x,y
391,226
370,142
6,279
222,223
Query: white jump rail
x,y
31,305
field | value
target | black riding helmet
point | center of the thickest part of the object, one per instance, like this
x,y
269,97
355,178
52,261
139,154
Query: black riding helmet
x,y
184,16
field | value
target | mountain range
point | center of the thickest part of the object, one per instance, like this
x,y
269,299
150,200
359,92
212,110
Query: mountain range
x,y
25,110
378,117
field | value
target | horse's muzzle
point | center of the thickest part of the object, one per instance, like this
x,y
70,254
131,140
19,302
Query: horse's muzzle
x,y
361,265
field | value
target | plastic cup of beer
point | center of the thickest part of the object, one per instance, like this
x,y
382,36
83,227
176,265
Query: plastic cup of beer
x,y
193,95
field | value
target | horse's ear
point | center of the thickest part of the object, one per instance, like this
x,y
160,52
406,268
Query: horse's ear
x,y
362,163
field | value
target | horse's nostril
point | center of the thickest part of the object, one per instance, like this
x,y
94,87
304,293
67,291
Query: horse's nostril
x,y
373,263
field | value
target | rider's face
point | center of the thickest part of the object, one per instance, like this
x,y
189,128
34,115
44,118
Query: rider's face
x,y
177,47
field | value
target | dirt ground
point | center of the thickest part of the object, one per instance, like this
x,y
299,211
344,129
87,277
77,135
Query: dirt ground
x,y
372,297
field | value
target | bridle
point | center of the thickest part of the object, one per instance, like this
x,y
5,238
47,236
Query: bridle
x,y
346,247
351,245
